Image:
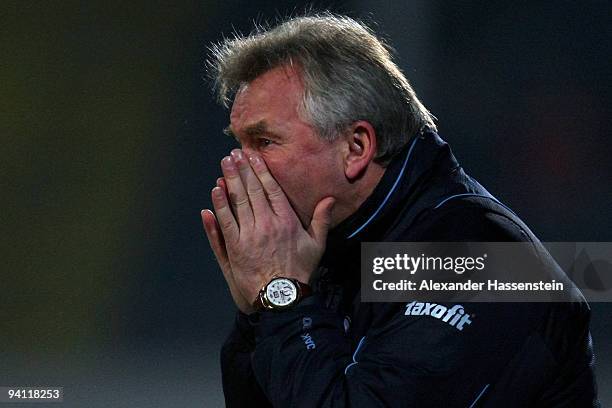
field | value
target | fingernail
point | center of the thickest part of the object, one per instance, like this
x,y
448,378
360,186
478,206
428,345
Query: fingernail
x,y
217,192
227,162
255,159
237,154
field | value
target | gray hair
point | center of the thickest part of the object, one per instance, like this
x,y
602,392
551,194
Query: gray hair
x,y
348,75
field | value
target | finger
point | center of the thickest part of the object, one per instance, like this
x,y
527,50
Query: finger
x,y
221,183
321,220
236,192
278,200
215,238
213,232
225,218
254,189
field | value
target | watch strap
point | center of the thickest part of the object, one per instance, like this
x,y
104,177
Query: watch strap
x,y
305,290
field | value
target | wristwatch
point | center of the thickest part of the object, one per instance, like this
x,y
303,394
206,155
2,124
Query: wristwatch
x,y
281,293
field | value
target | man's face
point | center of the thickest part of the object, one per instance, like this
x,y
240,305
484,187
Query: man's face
x,y
265,119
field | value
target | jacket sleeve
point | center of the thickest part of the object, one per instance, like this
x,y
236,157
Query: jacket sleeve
x,y
239,385
303,359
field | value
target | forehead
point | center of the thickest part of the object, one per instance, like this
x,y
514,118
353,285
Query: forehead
x,y
273,96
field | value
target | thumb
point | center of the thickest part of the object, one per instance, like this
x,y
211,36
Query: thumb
x,y
321,220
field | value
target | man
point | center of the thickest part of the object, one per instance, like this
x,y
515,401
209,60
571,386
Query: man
x,y
336,150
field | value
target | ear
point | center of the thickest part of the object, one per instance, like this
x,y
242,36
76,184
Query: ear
x,y
361,140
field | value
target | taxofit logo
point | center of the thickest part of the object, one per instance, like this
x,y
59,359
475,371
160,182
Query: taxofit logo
x,y
455,316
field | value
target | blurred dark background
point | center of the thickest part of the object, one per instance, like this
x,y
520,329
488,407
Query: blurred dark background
x,y
111,141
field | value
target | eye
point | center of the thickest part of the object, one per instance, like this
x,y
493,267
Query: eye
x,y
263,142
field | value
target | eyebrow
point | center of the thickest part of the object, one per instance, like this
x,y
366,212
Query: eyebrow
x,y
254,130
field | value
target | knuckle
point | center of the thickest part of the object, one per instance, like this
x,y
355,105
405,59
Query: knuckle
x,y
275,192
240,203
255,191
232,176
227,225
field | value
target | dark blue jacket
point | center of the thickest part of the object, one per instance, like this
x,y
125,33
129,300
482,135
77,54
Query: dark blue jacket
x,y
334,351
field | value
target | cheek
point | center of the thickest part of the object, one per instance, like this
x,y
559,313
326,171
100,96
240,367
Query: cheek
x,y
305,179
290,178
297,180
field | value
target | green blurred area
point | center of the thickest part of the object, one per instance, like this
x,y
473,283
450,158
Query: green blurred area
x,y
86,92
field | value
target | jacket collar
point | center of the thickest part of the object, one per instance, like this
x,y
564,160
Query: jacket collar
x,y
398,195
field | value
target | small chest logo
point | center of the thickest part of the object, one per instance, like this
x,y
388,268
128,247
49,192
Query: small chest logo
x,y
454,316
308,341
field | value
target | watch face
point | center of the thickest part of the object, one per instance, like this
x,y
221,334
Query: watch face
x,y
281,292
